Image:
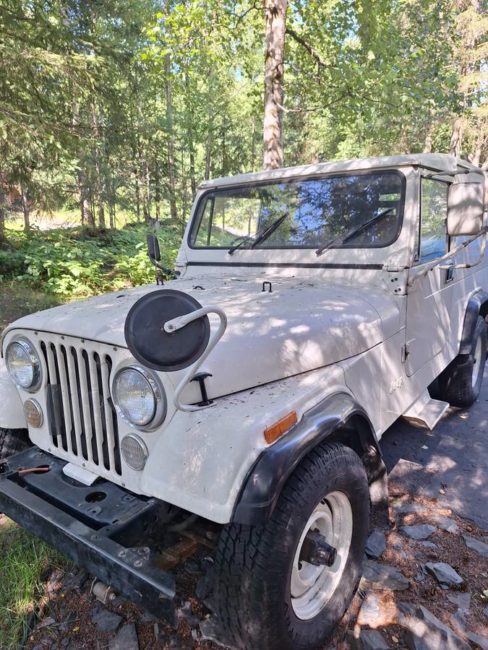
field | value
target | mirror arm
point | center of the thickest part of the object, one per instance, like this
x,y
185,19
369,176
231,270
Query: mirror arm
x,y
182,321
439,262
162,268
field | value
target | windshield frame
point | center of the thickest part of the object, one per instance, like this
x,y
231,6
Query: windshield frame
x,y
200,209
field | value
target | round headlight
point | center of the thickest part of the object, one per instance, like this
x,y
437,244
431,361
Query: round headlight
x,y
138,396
23,364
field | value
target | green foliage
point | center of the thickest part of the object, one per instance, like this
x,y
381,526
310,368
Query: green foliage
x,y
12,263
124,106
114,106
79,262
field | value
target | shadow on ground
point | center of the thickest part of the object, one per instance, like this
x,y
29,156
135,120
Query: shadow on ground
x,y
452,460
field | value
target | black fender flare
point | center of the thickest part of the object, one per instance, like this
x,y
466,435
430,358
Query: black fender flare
x,y
477,304
336,417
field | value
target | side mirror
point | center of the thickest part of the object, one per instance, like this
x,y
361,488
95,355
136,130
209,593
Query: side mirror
x,y
153,248
465,207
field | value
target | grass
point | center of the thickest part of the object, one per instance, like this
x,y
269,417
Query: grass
x,y
16,302
24,561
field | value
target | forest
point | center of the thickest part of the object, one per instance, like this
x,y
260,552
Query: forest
x,y
116,108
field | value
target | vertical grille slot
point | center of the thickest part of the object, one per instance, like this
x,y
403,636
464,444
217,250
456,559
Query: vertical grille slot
x,y
82,419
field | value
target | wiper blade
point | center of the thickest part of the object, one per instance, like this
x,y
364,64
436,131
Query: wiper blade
x,y
243,239
267,232
341,239
260,237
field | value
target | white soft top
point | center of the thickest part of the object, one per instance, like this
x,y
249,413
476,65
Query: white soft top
x,y
442,163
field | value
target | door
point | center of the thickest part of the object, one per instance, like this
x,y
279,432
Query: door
x,y
430,298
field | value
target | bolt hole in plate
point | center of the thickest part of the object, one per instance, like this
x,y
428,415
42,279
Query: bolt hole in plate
x,y
155,348
95,497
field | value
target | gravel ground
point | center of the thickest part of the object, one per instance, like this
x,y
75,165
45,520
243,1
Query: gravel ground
x,y
73,619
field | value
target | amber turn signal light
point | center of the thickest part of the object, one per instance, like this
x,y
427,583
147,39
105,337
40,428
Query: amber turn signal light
x,y
277,429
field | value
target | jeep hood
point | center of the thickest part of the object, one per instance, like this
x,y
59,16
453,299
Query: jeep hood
x,y
297,327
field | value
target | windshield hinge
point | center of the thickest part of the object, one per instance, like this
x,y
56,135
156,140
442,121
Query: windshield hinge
x,y
405,352
394,268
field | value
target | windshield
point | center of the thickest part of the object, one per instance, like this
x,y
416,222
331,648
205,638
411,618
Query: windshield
x,y
318,211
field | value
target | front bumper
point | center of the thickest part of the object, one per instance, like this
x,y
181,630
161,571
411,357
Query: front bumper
x,y
89,525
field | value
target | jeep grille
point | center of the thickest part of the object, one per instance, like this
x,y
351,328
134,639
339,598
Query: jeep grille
x,y
81,416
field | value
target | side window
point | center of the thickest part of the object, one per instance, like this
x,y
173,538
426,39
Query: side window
x,y
433,215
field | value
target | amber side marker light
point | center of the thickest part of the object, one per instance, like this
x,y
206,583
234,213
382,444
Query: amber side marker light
x,y
277,429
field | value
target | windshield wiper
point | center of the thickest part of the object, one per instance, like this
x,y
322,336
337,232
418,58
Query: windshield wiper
x,y
260,237
341,239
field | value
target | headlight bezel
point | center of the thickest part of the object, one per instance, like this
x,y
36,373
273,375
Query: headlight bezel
x,y
28,347
160,401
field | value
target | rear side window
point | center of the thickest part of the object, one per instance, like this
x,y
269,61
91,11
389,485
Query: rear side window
x,y
433,216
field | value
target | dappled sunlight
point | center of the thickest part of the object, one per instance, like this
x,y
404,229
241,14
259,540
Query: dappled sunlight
x,y
449,463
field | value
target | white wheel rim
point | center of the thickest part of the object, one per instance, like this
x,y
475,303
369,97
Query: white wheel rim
x,y
313,586
477,361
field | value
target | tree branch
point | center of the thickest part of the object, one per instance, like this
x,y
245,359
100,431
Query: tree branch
x,y
240,17
309,48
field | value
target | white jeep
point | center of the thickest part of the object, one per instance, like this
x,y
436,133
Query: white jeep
x,y
243,402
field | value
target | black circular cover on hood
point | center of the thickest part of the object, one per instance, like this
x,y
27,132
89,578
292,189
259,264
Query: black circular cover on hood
x,y
151,345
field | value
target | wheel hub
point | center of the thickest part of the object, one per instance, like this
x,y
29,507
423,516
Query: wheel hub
x,y
317,551
321,555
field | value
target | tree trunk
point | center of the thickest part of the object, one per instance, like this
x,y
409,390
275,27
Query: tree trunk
x,y
146,184
110,187
456,137
99,181
184,206
25,209
138,196
113,219
275,20
475,158
168,92
2,216
224,151
190,137
87,218
208,152
210,128
157,190
253,145
428,139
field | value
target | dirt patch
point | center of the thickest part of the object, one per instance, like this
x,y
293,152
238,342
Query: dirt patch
x,y
70,609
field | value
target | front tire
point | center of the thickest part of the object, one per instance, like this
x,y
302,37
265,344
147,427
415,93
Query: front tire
x,y
266,596
460,383
12,441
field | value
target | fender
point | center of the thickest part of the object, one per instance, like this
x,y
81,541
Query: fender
x,y
338,417
11,409
477,304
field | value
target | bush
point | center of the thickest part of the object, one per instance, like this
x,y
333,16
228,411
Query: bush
x,y
11,264
78,262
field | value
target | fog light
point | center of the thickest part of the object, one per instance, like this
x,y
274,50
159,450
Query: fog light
x,y
33,414
134,451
